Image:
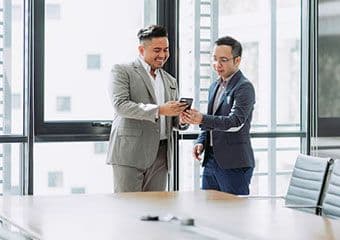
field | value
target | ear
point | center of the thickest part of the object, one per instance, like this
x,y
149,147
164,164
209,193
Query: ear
x,y
141,50
237,61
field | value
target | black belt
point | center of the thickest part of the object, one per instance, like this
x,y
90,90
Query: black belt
x,y
163,142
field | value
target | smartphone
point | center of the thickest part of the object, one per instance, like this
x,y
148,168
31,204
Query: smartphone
x,y
187,101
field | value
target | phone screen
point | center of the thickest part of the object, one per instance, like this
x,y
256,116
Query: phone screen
x,y
187,101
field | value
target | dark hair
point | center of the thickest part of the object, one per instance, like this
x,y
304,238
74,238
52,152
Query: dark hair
x,y
235,45
152,31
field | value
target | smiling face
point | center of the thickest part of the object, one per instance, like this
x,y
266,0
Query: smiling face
x,y
223,61
155,51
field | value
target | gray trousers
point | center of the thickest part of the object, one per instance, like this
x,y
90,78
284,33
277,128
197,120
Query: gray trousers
x,y
130,179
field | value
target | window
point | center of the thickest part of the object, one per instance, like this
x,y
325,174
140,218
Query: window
x,y
78,71
63,104
13,56
70,167
52,11
17,12
93,61
71,86
16,101
11,68
326,136
55,179
328,69
270,60
10,166
78,190
100,147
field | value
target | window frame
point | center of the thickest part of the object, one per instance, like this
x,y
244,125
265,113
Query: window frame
x,y
273,134
57,131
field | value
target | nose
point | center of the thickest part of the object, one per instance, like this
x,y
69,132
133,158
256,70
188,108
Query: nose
x,y
162,55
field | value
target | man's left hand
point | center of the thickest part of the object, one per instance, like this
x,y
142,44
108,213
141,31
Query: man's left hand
x,y
192,116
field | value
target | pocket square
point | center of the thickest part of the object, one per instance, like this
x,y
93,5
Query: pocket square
x,y
228,99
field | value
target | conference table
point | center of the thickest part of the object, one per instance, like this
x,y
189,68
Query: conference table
x,y
181,215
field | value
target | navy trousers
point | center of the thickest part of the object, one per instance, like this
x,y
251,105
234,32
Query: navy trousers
x,y
235,181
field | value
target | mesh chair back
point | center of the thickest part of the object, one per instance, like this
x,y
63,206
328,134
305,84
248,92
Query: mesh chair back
x,y
331,203
308,181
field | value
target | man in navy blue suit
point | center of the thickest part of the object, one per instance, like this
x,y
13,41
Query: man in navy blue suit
x,y
229,159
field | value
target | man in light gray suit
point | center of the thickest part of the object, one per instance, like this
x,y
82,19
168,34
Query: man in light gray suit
x,y
144,99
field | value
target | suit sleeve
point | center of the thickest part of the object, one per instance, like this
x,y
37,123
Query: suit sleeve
x,y
202,138
119,90
243,105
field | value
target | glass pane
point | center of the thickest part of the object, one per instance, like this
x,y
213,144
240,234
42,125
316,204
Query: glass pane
x,y
253,33
247,21
189,168
288,65
11,66
281,153
79,53
326,147
287,150
11,158
71,168
259,185
329,59
282,183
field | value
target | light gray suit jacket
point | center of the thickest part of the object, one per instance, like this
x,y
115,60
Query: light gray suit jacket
x,y
135,133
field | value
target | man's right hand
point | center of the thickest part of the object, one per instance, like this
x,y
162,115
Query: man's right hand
x,y
197,151
172,108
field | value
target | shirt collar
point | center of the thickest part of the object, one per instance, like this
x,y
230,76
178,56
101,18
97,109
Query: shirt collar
x,y
224,83
146,66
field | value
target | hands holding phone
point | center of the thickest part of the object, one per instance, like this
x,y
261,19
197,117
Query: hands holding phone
x,y
190,116
187,115
182,117
172,108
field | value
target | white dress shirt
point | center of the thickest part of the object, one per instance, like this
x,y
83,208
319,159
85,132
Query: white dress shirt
x,y
158,87
221,89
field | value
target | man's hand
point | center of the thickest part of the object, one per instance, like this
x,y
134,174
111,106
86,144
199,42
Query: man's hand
x,y
192,117
197,151
181,119
172,108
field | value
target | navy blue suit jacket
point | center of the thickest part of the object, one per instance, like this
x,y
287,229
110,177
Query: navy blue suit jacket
x,y
230,124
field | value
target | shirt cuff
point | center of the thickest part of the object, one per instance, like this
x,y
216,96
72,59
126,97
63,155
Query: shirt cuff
x,y
157,114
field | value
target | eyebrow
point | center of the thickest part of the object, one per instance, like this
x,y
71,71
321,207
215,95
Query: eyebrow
x,y
158,48
222,57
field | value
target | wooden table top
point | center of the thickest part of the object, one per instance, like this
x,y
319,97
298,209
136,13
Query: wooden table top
x,y
117,216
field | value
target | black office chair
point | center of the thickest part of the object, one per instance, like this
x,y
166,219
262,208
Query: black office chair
x,y
331,203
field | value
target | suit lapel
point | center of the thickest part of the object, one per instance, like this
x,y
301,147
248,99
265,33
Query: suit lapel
x,y
167,86
167,97
211,100
146,78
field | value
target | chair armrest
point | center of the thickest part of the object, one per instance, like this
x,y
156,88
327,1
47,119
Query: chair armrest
x,y
301,206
